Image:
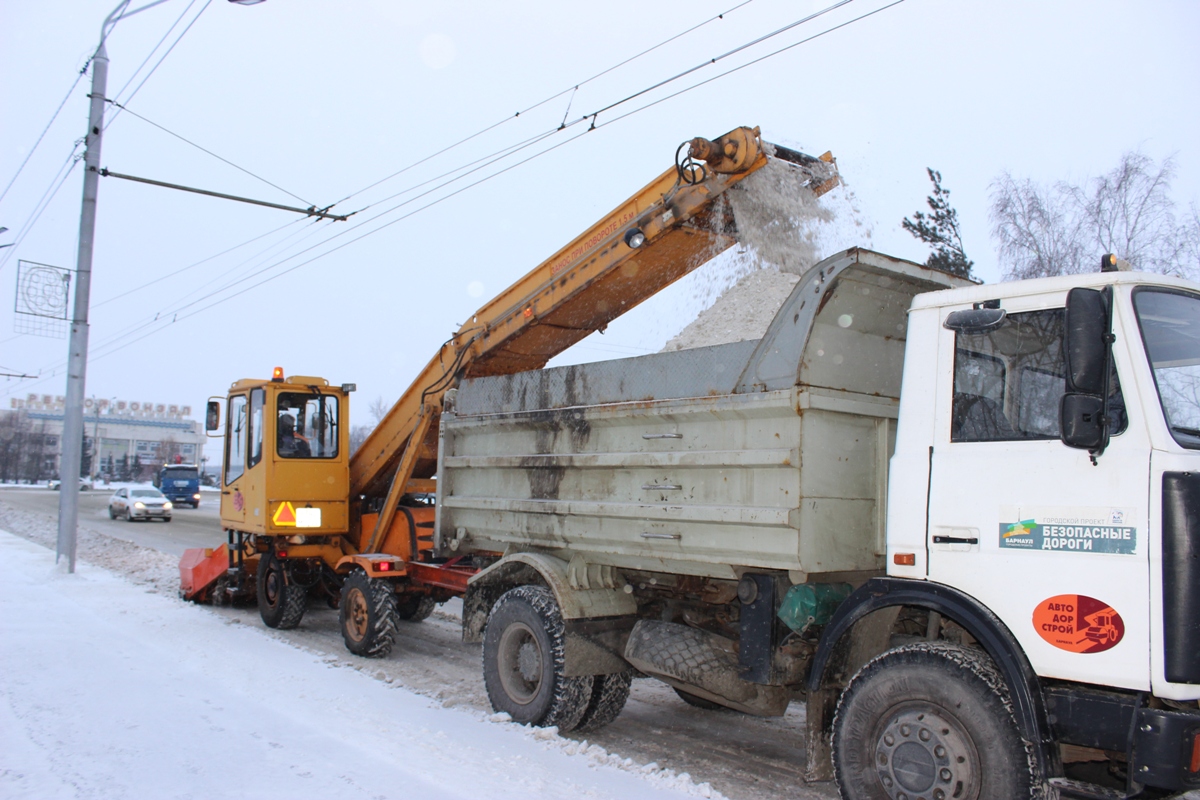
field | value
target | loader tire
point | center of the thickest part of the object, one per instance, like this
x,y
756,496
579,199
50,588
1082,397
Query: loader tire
x,y
609,694
415,607
281,603
524,662
367,614
930,719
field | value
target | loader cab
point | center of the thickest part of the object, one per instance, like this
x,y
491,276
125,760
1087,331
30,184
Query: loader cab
x,y
286,460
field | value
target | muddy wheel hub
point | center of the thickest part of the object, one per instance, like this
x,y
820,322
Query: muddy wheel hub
x,y
520,662
924,753
356,614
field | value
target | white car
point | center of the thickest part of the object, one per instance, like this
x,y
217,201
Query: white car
x,y
139,503
85,485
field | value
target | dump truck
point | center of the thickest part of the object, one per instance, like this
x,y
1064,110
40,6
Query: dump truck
x,y
960,523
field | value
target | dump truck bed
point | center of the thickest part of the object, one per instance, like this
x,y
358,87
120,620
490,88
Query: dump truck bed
x,y
770,453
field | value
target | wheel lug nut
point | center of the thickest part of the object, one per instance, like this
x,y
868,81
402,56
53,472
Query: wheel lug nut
x,y
924,735
939,751
889,740
905,730
945,774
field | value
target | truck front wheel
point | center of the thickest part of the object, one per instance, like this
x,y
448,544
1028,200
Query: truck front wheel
x,y
281,603
367,613
524,662
931,720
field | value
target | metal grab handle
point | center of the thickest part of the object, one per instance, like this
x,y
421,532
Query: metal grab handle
x,y
662,435
665,486
954,540
661,536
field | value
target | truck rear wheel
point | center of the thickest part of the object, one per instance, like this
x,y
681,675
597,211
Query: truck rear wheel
x,y
524,662
415,607
929,720
281,603
367,613
609,694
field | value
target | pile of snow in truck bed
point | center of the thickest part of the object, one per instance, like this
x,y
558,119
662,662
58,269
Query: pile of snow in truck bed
x,y
108,689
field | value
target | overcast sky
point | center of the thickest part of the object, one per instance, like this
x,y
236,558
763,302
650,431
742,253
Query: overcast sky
x,y
323,99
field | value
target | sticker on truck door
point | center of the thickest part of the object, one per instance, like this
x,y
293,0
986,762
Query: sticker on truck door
x,y
1078,623
1069,530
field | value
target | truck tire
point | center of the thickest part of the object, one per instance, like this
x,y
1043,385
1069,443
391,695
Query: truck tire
x,y
523,662
415,607
609,694
281,603
699,702
367,614
933,720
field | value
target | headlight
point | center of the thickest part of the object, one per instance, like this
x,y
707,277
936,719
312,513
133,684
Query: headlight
x,y
167,505
195,497
139,504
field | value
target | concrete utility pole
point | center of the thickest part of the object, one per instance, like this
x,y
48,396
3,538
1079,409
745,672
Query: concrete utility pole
x,y
72,435
77,346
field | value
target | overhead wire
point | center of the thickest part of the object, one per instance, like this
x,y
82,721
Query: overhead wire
x,y
572,88
158,64
507,168
150,55
74,85
222,159
56,183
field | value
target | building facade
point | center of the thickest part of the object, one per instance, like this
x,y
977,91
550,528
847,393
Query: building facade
x,y
128,432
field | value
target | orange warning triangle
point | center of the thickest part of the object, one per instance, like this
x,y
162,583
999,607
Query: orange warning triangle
x,y
285,515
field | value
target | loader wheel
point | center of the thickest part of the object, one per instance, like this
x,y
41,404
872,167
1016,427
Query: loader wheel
x,y
368,615
930,720
523,662
609,693
415,607
281,603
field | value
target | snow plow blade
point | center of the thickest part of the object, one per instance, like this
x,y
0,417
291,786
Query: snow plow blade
x,y
199,569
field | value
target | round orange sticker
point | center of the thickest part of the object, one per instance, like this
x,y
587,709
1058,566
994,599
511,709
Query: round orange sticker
x,y
1078,623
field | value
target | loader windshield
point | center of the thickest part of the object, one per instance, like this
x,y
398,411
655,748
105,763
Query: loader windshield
x,y
307,425
1170,324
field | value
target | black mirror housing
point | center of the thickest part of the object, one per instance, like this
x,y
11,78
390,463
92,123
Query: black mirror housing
x,y
975,320
1080,417
212,416
1087,340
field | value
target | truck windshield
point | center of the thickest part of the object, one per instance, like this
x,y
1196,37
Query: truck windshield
x,y
1170,324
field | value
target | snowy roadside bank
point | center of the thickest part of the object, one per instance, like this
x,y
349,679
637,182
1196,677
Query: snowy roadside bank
x,y
111,691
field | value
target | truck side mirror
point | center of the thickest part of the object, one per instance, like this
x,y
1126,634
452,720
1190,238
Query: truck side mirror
x,y
1079,420
1083,412
212,416
1087,346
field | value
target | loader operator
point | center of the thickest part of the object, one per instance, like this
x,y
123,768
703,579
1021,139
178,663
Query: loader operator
x,y
290,444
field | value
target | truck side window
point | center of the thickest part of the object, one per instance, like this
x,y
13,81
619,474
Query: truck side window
x,y
307,425
1008,382
235,439
257,401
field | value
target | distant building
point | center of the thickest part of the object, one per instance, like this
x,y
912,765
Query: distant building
x,y
155,433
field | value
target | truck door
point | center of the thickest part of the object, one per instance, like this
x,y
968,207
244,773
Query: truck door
x,y
1053,544
233,499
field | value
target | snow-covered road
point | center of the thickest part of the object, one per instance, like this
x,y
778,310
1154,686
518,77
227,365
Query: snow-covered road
x,y
111,690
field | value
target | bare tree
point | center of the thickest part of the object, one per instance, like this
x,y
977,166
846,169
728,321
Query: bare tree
x,y
378,409
1064,229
